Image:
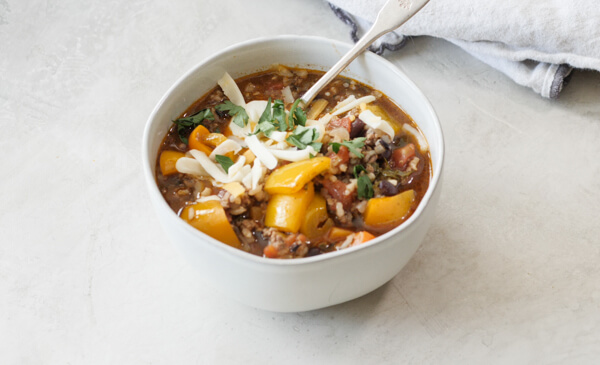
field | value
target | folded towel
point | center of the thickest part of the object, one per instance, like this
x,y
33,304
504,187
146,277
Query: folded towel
x,y
535,43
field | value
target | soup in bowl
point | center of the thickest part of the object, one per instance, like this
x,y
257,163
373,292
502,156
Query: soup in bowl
x,y
242,174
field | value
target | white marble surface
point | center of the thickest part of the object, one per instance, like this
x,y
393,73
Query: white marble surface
x,y
509,272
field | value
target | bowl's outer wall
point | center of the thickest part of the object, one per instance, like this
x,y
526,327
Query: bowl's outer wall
x,y
323,281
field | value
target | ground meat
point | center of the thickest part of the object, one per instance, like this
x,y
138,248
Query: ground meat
x,y
285,246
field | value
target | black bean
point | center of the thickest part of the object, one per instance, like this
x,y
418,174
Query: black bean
x,y
387,188
357,128
262,241
314,251
388,149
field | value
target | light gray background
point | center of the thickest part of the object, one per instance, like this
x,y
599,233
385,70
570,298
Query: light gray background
x,y
509,272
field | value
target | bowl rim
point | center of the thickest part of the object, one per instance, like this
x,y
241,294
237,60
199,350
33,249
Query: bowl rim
x,y
251,258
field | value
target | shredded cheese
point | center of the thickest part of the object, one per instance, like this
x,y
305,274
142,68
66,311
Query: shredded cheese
x,y
257,173
254,109
354,104
228,145
376,122
288,98
186,165
238,131
293,154
231,90
203,199
423,144
344,102
325,119
261,152
211,168
242,173
236,167
319,126
278,136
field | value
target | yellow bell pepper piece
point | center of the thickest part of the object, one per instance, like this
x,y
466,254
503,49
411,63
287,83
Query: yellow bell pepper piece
x,y
213,139
286,211
390,210
250,157
167,161
292,177
316,221
209,217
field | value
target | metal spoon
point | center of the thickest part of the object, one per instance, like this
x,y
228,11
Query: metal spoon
x,y
393,14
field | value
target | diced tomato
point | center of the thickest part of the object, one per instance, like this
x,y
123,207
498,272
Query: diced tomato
x,y
276,86
336,190
271,252
340,123
402,156
341,157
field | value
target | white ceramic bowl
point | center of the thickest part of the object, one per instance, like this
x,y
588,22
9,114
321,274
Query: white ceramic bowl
x,y
306,283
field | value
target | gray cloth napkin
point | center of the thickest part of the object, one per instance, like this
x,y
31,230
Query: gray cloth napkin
x,y
535,43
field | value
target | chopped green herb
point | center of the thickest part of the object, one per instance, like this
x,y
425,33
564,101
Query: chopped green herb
x,y
267,114
390,173
224,161
185,124
279,115
265,122
303,137
354,146
365,187
238,113
364,184
272,118
297,115
266,127
358,169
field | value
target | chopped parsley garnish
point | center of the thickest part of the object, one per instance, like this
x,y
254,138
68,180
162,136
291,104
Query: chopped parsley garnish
x,y
238,113
266,122
364,184
303,137
191,122
354,146
224,161
279,115
272,118
297,115
358,169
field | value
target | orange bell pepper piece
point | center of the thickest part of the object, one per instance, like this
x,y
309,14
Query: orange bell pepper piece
x,y
167,161
390,210
338,234
209,217
196,139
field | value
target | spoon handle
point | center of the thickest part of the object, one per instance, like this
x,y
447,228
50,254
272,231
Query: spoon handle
x,y
393,14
